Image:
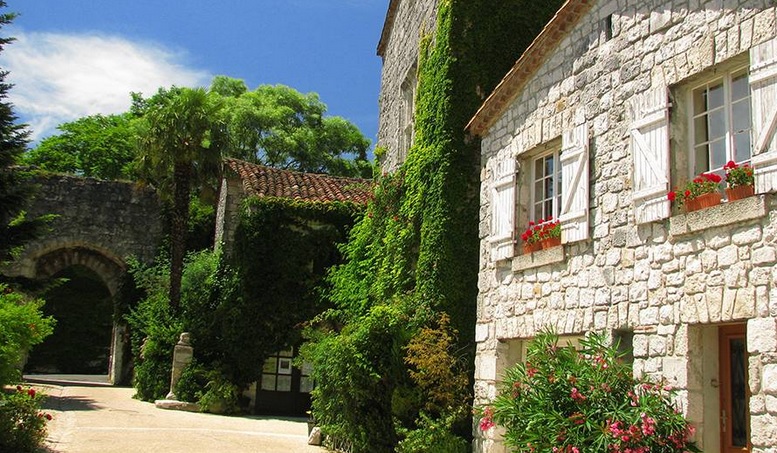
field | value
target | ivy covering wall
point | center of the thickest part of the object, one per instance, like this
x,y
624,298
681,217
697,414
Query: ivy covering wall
x,y
411,263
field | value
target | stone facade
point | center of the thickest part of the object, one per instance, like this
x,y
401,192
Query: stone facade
x,y
98,224
668,284
406,21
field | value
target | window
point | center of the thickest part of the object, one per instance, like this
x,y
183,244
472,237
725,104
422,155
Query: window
x,y
276,372
720,122
406,114
546,187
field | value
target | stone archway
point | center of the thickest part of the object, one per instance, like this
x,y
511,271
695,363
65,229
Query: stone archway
x,y
53,258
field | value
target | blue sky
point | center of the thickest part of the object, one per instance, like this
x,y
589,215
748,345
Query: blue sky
x,y
74,58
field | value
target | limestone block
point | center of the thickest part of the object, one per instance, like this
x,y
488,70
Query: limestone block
x,y
757,404
657,346
648,316
689,313
728,255
746,236
485,367
762,335
675,370
736,276
763,429
764,256
666,315
769,379
771,404
481,332
714,299
744,304
754,367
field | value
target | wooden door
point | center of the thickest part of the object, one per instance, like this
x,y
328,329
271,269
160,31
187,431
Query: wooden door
x,y
734,390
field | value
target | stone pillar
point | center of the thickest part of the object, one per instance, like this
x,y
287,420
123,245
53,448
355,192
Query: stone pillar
x,y
182,356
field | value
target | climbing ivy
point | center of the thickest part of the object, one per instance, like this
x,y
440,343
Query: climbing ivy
x,y
413,259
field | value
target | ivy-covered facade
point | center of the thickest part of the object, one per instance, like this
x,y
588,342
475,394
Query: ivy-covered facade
x,y
280,230
404,300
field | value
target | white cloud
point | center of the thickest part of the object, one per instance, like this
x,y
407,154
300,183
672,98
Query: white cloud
x,y
62,77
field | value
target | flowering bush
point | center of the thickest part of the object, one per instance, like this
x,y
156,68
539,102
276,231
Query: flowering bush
x,y
737,175
565,400
700,185
22,424
543,229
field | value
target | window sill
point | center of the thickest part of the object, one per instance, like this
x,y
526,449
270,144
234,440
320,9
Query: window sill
x,y
538,258
728,213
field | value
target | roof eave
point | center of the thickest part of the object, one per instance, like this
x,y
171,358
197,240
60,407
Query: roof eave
x,y
528,64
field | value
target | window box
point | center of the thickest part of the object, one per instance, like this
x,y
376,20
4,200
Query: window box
x,y
731,213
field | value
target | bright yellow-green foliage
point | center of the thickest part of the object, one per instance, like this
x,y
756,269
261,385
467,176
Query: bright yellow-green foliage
x,y
413,259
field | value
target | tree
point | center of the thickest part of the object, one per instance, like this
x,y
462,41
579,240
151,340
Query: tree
x,y
273,125
15,228
182,135
278,126
99,146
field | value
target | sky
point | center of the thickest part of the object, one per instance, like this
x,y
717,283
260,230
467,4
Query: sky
x,y
74,58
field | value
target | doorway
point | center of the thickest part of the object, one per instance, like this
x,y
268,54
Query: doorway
x,y
734,389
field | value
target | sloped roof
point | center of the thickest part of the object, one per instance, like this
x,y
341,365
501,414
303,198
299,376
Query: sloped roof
x,y
531,60
262,181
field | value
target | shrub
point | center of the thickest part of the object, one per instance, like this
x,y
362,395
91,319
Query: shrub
x,y
565,400
154,331
433,436
22,424
22,325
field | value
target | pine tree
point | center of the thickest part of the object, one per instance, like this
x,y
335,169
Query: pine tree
x,y
15,190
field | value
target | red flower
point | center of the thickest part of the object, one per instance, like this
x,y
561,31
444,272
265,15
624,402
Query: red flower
x,y
31,392
729,165
687,193
671,195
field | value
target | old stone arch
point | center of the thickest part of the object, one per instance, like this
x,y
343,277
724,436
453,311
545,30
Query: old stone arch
x,y
52,259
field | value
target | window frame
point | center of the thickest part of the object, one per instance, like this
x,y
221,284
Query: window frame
x,y
726,75
555,152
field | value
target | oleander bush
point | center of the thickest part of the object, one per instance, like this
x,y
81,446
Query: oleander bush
x,y
567,400
22,423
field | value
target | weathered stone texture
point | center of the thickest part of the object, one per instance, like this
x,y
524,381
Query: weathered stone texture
x,y
671,281
412,20
108,218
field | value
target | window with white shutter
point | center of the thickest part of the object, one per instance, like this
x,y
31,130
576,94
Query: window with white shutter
x,y
763,85
573,214
503,210
649,131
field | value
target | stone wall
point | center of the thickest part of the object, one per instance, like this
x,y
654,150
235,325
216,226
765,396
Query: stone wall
x,y
112,219
670,283
411,19
228,210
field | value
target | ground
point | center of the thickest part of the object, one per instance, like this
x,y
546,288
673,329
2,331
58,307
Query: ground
x,y
106,419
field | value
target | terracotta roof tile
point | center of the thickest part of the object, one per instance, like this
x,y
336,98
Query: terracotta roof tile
x,y
262,181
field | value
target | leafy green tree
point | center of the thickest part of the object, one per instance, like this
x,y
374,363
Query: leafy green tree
x,y
100,146
278,126
272,125
181,134
15,190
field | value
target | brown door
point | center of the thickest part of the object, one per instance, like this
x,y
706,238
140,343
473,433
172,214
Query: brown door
x,y
734,390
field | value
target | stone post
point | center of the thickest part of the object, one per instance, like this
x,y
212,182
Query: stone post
x,y
182,356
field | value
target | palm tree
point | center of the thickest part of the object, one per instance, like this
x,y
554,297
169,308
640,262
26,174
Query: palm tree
x,y
180,134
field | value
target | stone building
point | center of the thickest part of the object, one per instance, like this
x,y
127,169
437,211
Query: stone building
x,y
406,21
284,389
614,104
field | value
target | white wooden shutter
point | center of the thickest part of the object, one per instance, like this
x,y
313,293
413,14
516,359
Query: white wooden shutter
x,y
503,210
763,85
649,132
573,214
